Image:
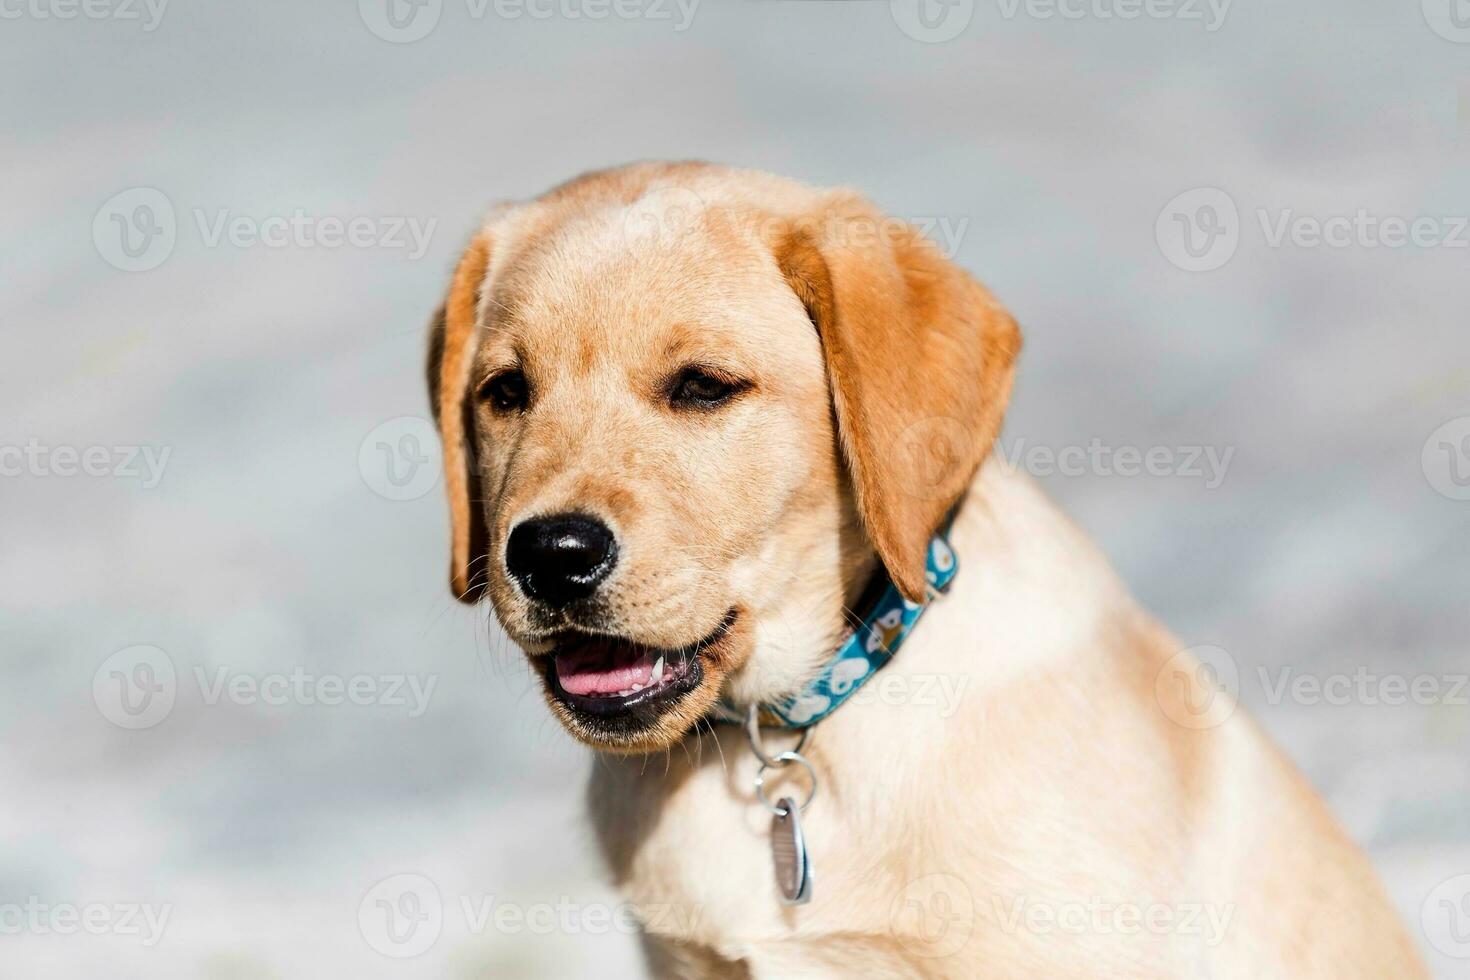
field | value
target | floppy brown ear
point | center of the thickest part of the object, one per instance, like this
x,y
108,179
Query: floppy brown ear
x,y
920,359
452,336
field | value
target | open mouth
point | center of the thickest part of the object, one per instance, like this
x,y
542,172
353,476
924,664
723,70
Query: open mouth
x,y
610,677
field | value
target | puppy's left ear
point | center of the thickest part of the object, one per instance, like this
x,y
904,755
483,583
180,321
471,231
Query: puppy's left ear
x,y
920,359
452,336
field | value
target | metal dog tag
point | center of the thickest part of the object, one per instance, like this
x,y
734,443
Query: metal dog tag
x,y
788,847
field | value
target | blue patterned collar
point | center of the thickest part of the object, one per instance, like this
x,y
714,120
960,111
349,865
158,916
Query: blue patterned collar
x,y
861,655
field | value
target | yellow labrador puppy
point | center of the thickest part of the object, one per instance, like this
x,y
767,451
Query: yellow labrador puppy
x,y
699,425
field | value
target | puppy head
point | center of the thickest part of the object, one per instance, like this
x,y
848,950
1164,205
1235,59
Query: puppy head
x,y
685,412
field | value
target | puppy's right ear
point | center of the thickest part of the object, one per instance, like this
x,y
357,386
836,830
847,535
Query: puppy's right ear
x,y
452,337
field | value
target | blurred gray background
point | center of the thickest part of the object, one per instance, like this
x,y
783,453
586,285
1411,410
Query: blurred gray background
x,y
282,378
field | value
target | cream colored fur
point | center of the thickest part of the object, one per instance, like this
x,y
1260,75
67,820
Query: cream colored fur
x,y
1061,783
1027,790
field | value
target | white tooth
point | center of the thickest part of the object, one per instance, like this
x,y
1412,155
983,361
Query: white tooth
x,y
658,669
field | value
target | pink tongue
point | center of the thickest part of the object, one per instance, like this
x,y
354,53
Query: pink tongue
x,y
594,672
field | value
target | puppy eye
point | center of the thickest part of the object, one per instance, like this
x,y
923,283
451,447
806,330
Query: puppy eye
x,y
698,388
506,391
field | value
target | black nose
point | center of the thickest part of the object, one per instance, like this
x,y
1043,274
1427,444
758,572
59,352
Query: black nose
x,y
560,558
